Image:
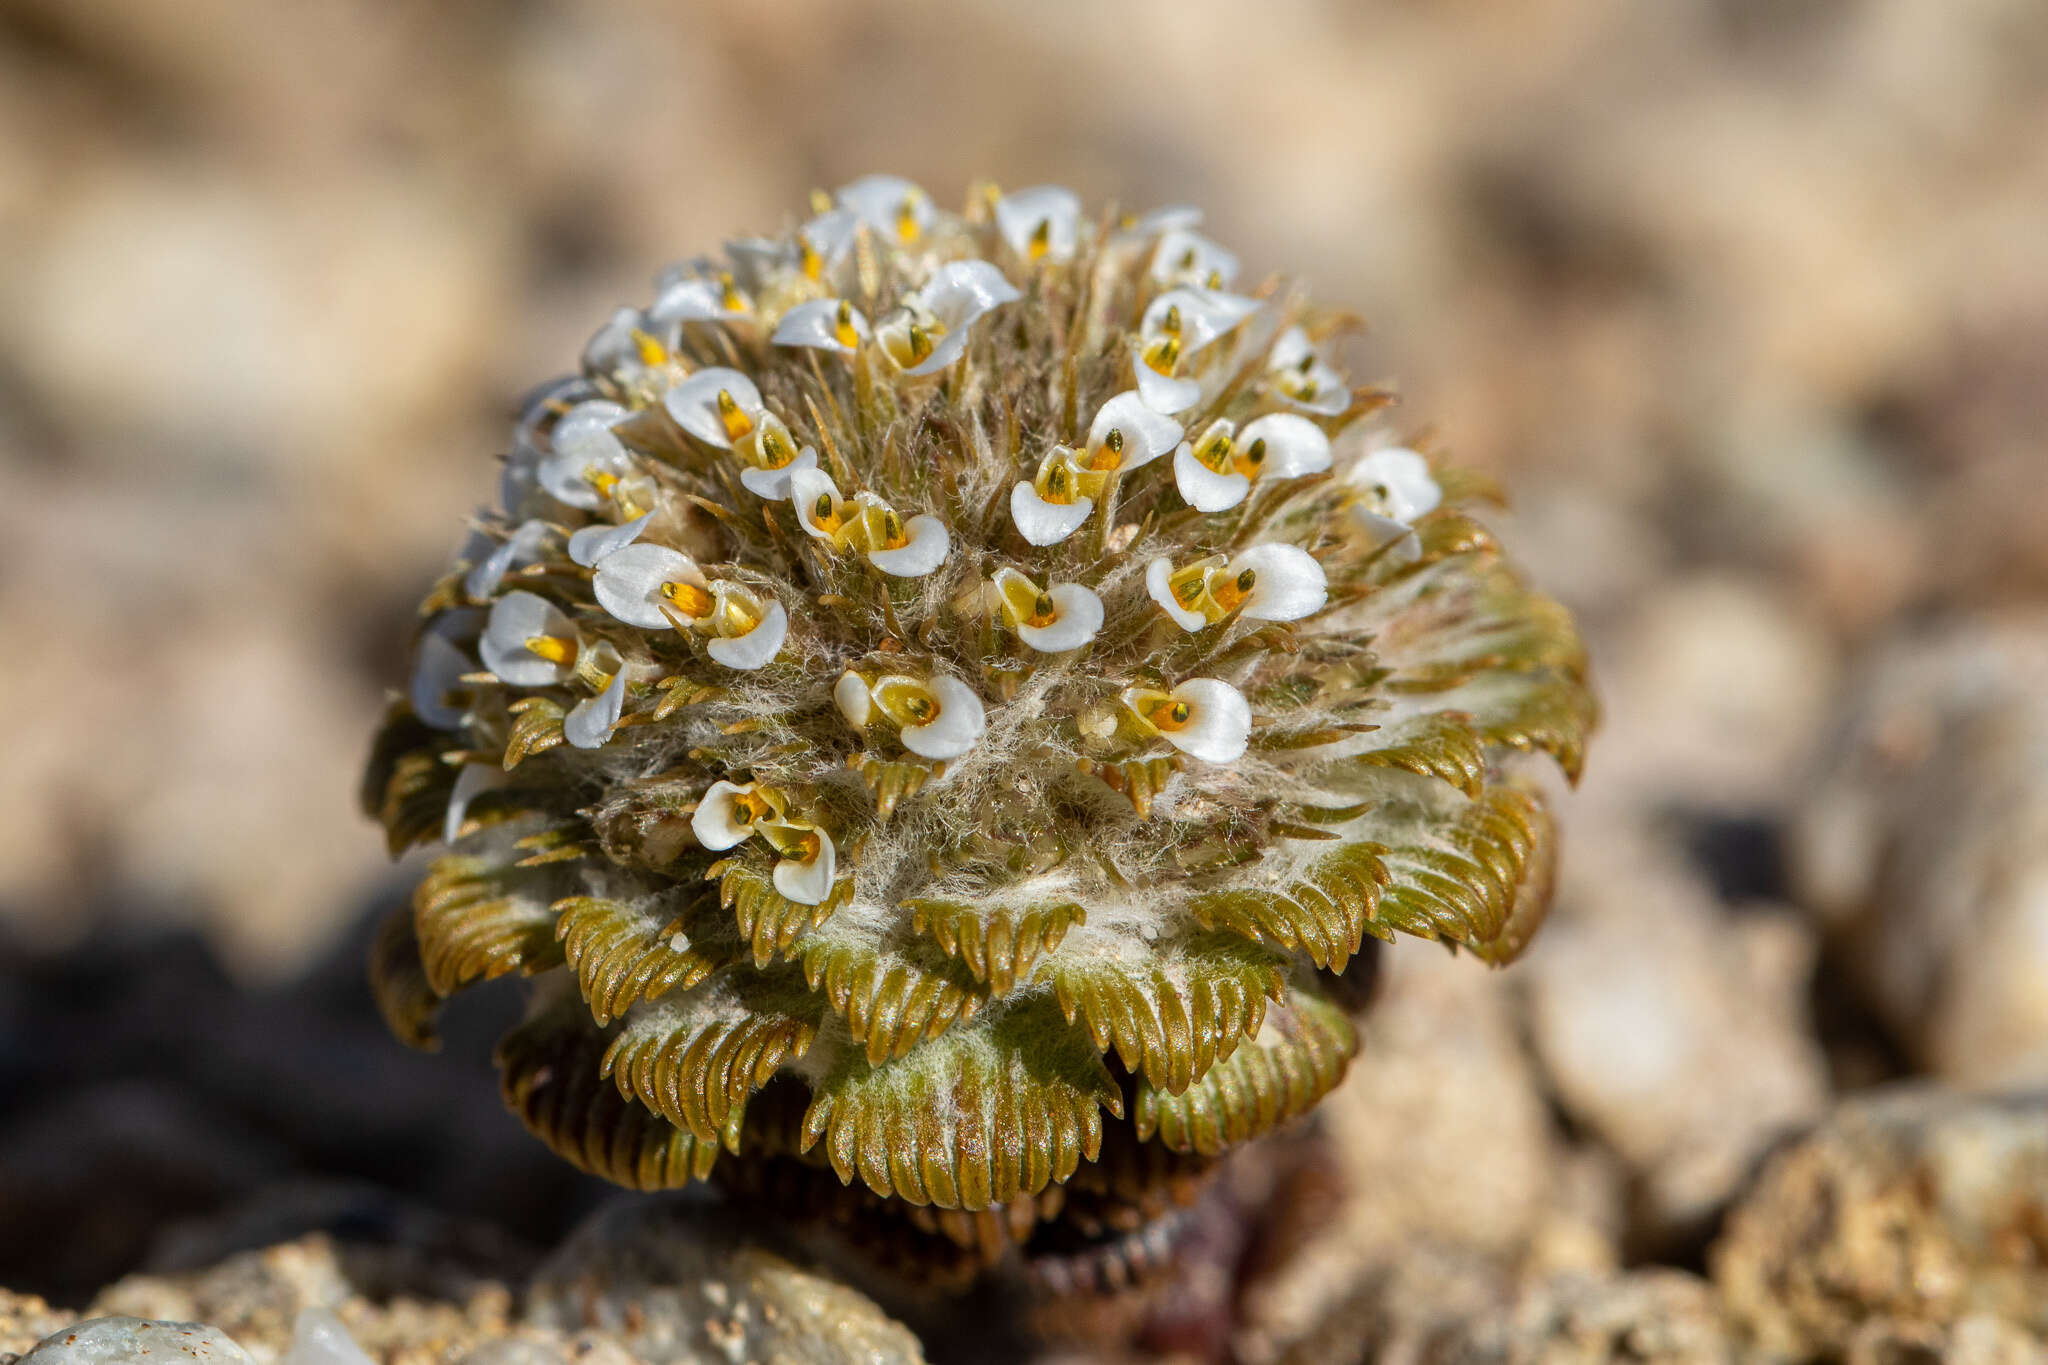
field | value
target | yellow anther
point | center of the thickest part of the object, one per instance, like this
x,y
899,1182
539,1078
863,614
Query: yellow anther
x,y
652,352
1233,591
736,615
821,202
1170,324
602,480
807,256
730,297
804,848
1042,611
1188,589
1215,280
737,423
892,531
906,220
1055,482
1163,353
1251,459
552,648
842,326
920,343
1215,446
747,808
1041,240
776,449
1110,454
1171,715
920,706
689,599
1187,259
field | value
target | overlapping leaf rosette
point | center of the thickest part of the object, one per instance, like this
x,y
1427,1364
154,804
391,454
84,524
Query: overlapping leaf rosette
x,y
942,702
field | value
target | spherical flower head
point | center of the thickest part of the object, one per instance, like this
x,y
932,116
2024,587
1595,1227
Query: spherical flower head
x,y
951,694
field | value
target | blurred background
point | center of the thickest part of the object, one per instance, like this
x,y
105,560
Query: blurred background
x,y
1746,301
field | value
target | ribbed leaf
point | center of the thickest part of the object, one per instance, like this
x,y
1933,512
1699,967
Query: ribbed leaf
x,y
550,1075
892,998
1298,1057
770,922
624,952
477,919
999,944
398,981
1137,780
415,799
536,728
1442,745
1177,1011
1546,710
1324,913
1472,878
891,780
694,1058
974,1118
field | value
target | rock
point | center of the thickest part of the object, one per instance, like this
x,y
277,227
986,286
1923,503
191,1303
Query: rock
x,y
1652,1317
679,1283
1915,1217
1672,1029
24,1320
318,1338
134,1341
1925,846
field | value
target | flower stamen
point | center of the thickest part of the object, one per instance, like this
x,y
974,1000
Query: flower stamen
x,y
735,421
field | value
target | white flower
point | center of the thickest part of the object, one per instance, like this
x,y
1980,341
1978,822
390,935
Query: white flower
x,y
1125,435
809,862
1050,508
1177,326
473,781
1270,582
591,721
437,670
1398,485
594,542
1041,223
747,635
528,642
774,483
825,241
932,328
825,324
1166,218
1185,256
729,811
1205,718
650,585
820,510
1216,472
897,209
1062,617
939,718
854,699
625,348
904,549
1302,377
586,459
520,548
1285,446
715,405
698,298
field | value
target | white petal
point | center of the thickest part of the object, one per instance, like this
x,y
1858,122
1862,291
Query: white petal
x,y
1219,721
1165,219
628,583
521,547
757,646
1294,445
516,618
774,484
1148,433
1159,582
1380,531
1289,584
473,781
714,823
1077,616
581,441
831,234
1170,261
808,883
1205,315
1289,348
590,722
1202,487
1163,393
593,543
878,199
760,260
855,702
925,551
692,300
613,349
1018,217
437,669
1042,522
806,486
1411,490
958,294
1333,393
954,729
816,324
694,403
